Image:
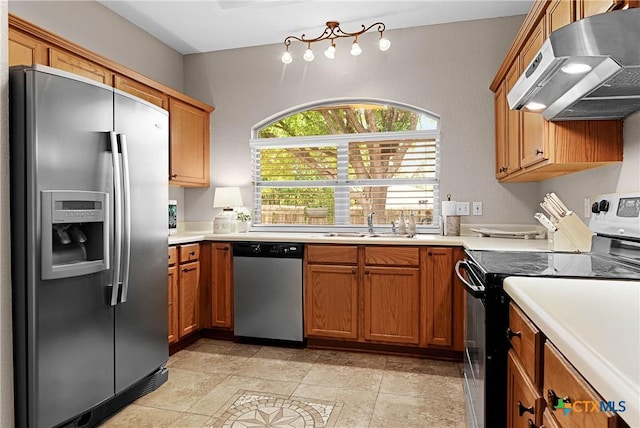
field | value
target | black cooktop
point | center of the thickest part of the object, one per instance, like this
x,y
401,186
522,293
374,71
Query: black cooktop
x,y
494,266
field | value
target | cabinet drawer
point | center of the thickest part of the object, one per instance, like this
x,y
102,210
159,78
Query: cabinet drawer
x,y
524,402
561,380
396,256
526,341
342,254
173,255
189,253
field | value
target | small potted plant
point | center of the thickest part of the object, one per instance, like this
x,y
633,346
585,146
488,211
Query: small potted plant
x,y
243,219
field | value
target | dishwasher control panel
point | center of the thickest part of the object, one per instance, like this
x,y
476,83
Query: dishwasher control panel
x,y
268,249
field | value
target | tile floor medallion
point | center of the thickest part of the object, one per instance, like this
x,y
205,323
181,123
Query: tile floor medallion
x,y
259,409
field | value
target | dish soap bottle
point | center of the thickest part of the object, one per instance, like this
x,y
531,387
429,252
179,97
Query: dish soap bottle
x,y
412,225
402,227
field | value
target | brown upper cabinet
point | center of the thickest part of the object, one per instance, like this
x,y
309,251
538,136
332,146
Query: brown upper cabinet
x,y
188,157
188,118
528,147
141,90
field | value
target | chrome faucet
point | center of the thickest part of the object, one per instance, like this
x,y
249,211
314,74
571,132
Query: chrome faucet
x,y
370,222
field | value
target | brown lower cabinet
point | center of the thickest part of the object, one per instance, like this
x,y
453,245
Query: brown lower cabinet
x,y
396,295
525,404
331,301
184,291
173,330
221,285
539,376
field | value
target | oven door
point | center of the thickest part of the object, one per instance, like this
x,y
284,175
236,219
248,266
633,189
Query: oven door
x,y
475,344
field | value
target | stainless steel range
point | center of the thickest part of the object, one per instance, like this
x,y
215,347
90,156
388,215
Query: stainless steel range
x,y
615,255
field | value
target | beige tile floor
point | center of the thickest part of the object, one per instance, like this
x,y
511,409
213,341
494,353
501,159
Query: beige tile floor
x,y
224,384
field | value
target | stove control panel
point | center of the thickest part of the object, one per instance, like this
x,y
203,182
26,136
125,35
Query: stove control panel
x,y
616,214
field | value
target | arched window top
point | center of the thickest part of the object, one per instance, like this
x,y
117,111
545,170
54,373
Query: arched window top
x,y
337,117
329,165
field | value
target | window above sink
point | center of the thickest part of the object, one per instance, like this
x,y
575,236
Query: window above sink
x,y
327,166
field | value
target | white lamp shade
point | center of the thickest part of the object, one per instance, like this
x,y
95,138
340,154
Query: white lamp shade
x,y
227,197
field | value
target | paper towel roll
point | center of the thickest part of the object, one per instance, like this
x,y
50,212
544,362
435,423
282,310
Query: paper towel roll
x,y
448,208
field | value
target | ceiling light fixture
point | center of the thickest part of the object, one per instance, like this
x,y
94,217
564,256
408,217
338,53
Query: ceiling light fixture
x,y
332,32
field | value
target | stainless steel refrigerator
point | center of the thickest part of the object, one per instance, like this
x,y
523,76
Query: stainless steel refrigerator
x,y
89,247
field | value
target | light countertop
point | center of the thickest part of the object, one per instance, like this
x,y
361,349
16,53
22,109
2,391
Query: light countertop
x,y
596,326
469,242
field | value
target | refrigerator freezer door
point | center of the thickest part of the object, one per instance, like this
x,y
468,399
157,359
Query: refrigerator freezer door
x,y
141,314
64,331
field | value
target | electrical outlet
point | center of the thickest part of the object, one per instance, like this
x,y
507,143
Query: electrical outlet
x,y
462,208
587,206
477,208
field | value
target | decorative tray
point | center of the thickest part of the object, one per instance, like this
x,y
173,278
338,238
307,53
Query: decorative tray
x,y
527,234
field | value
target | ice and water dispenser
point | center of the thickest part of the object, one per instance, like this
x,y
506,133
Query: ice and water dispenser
x,y
75,233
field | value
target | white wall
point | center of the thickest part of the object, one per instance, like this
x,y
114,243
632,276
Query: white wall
x,y
6,365
99,29
445,69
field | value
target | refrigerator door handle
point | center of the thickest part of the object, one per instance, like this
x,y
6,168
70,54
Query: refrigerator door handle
x,y
117,228
126,256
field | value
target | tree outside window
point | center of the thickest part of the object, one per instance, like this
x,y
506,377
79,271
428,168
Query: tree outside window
x,y
331,165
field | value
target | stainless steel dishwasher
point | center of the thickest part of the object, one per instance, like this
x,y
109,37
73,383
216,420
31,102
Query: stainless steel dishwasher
x,y
267,280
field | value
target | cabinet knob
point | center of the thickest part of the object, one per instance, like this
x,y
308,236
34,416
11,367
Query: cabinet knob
x,y
172,176
532,424
366,272
522,409
188,269
225,248
539,152
192,253
553,399
429,253
511,333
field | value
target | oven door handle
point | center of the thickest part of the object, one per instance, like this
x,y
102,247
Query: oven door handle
x,y
476,291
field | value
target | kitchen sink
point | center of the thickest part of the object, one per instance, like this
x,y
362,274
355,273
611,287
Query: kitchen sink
x,y
366,235
347,234
388,235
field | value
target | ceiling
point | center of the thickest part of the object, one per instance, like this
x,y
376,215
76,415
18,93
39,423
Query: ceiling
x,y
212,25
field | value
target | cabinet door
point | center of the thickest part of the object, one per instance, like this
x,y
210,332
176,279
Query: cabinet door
x,y
559,13
25,50
438,297
221,286
189,285
142,91
331,301
514,123
533,124
524,404
173,304
563,382
189,145
392,304
588,8
78,65
500,117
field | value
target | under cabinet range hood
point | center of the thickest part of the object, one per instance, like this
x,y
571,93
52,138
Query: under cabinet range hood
x,y
587,70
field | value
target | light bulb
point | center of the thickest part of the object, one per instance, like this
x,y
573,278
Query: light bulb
x,y
534,106
308,55
576,68
355,49
287,58
384,44
330,52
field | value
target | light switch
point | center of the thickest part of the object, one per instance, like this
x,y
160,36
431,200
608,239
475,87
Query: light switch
x,y
477,208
